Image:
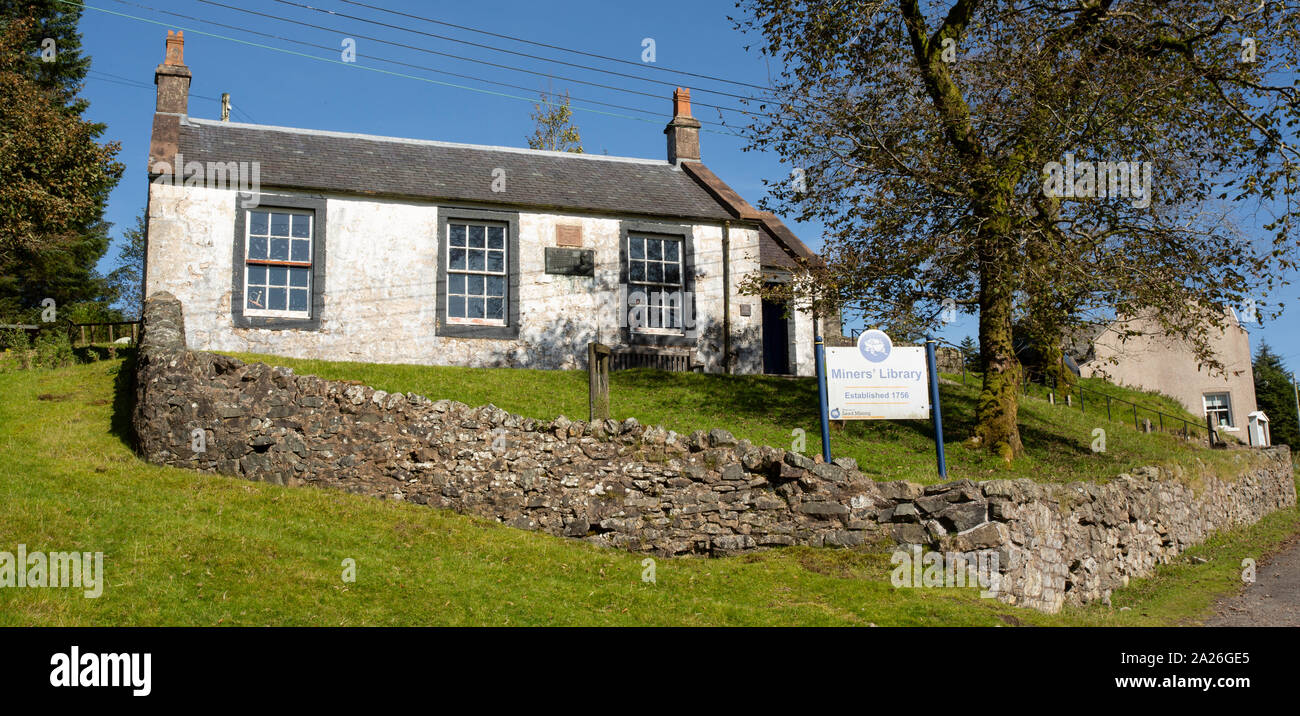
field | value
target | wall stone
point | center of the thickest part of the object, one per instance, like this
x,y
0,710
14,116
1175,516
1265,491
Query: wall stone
x,y
644,488
1077,543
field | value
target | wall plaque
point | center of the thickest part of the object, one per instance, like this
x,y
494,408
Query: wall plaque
x,y
570,262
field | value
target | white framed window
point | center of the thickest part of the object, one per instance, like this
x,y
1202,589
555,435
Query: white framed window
x,y
655,281
1220,406
477,273
278,263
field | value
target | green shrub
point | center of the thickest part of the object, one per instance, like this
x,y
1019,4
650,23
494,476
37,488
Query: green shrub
x,y
53,350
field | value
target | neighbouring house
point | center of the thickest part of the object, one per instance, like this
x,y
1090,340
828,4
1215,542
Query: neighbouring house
x,y
339,246
1152,361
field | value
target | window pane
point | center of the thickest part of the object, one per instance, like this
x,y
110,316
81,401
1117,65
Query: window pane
x,y
496,285
456,283
496,236
277,276
301,226
654,249
475,258
672,273
496,309
496,261
279,224
457,260
475,286
456,306
257,247
654,272
256,297
474,307
280,249
298,277
276,299
476,237
636,248
257,275
457,234
670,250
301,251
298,299
258,221
636,270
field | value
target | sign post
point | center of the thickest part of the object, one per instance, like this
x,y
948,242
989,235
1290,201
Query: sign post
x,y
876,381
820,357
935,413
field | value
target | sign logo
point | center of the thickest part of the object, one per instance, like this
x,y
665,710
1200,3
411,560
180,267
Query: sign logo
x,y
874,345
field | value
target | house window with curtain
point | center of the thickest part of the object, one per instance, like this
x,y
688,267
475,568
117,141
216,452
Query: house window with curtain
x,y
1219,405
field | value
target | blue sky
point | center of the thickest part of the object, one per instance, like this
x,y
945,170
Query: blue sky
x,y
292,89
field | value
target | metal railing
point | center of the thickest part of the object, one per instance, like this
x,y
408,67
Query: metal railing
x,y
1164,422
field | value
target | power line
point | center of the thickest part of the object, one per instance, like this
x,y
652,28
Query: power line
x,y
561,48
474,60
351,64
381,59
138,84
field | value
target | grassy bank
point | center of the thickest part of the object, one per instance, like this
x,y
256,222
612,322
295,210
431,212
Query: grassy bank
x,y
770,410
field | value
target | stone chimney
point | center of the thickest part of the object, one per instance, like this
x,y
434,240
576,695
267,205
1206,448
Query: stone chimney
x,y
173,77
173,80
684,131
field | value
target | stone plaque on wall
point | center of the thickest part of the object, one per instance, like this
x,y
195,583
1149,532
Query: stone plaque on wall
x,y
570,236
570,262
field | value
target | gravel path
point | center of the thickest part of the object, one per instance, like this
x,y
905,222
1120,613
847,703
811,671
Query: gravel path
x,y
1274,598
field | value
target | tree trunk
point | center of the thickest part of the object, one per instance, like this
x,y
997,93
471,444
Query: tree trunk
x,y
996,410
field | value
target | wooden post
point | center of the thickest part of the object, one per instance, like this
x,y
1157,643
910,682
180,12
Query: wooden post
x,y
598,360
83,335
135,333
1135,417
110,333
1108,408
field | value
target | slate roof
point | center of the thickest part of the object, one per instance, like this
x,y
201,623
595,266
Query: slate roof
x,y
387,166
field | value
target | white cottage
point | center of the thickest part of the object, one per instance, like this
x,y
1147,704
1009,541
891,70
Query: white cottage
x,y
340,246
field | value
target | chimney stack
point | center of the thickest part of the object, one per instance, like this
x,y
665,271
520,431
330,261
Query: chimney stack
x,y
684,131
172,77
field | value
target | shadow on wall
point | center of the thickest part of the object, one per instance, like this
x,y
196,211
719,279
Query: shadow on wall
x,y
124,385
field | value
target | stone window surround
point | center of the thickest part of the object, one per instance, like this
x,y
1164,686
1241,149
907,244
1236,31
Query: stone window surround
x,y
509,331
689,336
309,202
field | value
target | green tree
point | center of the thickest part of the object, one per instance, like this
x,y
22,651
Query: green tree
x,y
57,177
555,128
51,48
127,278
970,351
1275,395
931,142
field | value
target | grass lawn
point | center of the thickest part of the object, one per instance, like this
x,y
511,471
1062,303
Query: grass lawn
x,y
186,548
767,410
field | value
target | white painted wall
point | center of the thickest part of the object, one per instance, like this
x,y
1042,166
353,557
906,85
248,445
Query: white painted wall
x,y
380,276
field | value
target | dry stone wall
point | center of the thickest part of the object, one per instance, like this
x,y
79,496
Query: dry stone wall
x,y
644,488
